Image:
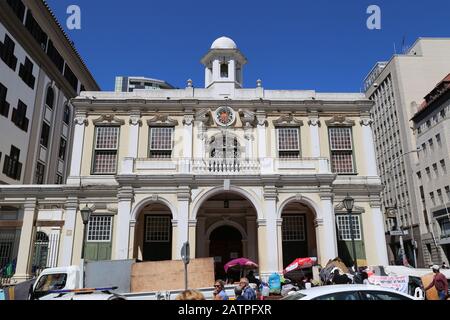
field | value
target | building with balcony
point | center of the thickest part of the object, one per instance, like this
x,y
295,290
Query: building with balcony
x,y
40,71
432,175
235,171
397,88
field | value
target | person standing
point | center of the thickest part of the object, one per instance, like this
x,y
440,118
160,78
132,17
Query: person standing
x,y
219,291
247,292
439,282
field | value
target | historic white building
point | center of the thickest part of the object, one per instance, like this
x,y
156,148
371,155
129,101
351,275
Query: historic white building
x,y
236,171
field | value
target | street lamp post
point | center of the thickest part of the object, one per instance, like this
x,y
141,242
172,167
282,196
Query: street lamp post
x,y
393,211
85,215
348,204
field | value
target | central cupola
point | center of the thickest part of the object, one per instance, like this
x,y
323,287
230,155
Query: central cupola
x,y
223,66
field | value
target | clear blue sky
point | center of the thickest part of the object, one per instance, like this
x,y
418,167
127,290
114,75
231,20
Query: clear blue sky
x,y
318,44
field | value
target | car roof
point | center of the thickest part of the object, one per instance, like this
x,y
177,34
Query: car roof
x,y
323,290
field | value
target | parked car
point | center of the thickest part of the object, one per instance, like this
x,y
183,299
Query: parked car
x,y
349,292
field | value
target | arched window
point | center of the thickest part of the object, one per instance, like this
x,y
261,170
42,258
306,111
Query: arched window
x,y
224,70
66,117
50,98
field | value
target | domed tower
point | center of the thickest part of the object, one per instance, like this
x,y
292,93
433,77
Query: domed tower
x,y
223,65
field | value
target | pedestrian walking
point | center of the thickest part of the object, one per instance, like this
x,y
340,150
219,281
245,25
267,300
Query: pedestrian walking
x,y
439,282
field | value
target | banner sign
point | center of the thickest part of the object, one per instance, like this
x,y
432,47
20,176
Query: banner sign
x,y
396,283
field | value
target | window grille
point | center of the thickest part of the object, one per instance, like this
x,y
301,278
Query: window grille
x,y
341,146
157,228
288,143
344,231
161,142
294,228
99,229
106,145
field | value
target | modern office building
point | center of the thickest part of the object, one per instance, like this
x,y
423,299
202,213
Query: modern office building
x,y
236,171
130,84
397,88
432,173
40,71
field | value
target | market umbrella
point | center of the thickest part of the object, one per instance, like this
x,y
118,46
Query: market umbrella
x,y
299,264
240,264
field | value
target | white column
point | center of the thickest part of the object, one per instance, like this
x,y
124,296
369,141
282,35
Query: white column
x,y
70,216
328,238
133,136
131,238
379,240
123,223
270,207
369,147
27,236
261,128
232,70
216,70
184,197
77,149
314,124
188,135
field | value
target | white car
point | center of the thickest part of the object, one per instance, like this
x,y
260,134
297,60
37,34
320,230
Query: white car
x,y
349,292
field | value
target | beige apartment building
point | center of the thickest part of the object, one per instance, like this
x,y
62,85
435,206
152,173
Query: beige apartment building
x,y
236,171
397,88
40,71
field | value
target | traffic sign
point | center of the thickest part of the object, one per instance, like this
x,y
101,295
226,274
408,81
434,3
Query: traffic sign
x,y
398,233
185,253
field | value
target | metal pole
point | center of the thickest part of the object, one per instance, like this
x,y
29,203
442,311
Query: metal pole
x,y
84,241
185,276
353,240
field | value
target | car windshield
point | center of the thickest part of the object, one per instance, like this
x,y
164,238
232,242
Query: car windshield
x,y
50,282
294,296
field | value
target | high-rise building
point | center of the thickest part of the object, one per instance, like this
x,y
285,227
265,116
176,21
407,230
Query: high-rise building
x,y
130,84
397,87
432,173
40,71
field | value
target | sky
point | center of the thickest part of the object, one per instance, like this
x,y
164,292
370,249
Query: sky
x,y
290,44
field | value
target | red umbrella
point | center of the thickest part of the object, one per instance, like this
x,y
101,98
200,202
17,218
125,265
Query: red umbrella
x,y
241,263
300,263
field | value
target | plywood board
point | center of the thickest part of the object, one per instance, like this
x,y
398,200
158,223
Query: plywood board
x,y
169,275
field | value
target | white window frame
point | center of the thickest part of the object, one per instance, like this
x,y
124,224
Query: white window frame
x,y
150,149
298,149
343,225
97,149
337,151
92,233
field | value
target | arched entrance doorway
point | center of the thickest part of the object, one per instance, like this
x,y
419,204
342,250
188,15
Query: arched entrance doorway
x,y
298,232
154,233
226,230
225,243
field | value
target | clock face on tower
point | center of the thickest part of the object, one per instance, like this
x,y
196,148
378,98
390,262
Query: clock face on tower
x,y
224,116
